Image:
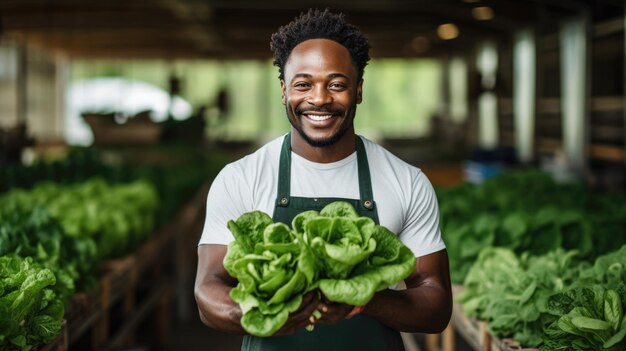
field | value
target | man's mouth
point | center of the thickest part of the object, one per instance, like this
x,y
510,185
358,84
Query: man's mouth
x,y
317,118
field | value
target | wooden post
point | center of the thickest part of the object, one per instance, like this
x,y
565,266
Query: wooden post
x,y
485,337
448,338
128,302
163,318
100,332
432,342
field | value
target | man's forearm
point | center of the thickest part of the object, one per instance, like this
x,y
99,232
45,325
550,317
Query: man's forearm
x,y
426,309
217,310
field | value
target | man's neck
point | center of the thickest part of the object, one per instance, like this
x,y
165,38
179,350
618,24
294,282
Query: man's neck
x,y
343,148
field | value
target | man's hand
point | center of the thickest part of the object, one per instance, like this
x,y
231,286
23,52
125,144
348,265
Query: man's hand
x,y
333,312
302,317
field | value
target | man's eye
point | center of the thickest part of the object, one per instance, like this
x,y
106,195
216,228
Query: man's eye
x,y
301,85
337,86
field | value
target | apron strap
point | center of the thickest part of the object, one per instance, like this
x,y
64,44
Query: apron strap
x,y
365,181
284,175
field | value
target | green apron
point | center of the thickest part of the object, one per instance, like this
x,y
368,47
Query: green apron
x,y
360,332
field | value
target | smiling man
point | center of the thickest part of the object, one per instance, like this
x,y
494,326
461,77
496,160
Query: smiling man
x,y
321,60
320,91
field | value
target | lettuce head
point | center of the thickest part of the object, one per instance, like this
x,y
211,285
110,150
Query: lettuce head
x,y
348,257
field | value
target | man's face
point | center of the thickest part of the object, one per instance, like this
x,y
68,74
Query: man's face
x,y
320,91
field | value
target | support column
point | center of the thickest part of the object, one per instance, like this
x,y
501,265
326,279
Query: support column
x,y
524,92
574,78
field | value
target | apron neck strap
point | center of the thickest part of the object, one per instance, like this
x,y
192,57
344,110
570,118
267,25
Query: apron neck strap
x,y
284,174
365,180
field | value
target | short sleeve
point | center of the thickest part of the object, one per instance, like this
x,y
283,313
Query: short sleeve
x,y
225,201
421,231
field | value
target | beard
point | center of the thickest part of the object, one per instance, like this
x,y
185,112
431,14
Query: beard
x,y
325,142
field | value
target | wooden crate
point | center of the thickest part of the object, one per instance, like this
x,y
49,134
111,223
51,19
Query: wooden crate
x,y
508,345
475,331
90,311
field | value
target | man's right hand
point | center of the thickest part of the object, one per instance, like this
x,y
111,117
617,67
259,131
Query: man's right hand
x,y
217,310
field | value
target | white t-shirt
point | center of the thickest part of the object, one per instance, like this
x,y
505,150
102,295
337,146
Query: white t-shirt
x,y
404,197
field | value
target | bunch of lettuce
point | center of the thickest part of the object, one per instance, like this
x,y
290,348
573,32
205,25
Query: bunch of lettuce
x,y
590,315
265,259
30,231
349,258
588,319
30,311
552,301
510,292
353,256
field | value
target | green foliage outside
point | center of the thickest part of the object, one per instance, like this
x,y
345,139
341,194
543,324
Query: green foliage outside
x,y
399,96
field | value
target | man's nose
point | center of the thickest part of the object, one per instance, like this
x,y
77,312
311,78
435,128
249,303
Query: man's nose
x,y
320,96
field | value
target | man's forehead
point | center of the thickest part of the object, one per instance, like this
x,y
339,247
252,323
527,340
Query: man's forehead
x,y
315,54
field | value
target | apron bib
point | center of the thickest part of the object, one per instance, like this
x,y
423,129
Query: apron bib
x,y
360,332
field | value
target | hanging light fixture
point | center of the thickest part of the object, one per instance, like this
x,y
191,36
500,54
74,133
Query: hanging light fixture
x,y
448,31
483,13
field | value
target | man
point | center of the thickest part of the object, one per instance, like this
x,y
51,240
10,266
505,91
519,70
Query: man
x,y
321,60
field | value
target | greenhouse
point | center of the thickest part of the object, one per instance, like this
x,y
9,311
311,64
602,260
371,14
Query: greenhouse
x,y
353,175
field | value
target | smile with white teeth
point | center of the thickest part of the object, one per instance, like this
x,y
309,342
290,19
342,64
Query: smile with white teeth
x,y
318,117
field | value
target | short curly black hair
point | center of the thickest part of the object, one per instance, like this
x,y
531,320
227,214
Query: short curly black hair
x,y
318,24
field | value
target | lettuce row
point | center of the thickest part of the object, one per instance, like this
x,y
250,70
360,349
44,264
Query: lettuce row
x,y
349,258
527,211
553,301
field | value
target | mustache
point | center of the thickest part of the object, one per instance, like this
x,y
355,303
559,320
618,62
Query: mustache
x,y
301,111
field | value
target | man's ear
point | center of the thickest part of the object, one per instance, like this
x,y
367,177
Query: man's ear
x,y
282,92
359,92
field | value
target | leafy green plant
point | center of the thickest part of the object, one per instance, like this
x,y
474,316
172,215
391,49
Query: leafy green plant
x,y
354,256
510,292
347,257
588,319
32,232
30,311
263,258
526,211
116,216
546,300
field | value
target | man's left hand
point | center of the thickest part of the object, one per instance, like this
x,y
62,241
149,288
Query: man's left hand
x,y
333,312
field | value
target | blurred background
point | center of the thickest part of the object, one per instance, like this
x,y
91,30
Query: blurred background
x,y
115,116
